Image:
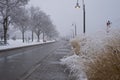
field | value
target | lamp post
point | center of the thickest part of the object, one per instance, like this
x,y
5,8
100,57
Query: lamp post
x,y
77,6
75,29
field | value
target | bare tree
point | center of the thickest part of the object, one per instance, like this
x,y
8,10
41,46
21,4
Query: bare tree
x,y
41,23
21,20
32,12
49,28
37,24
36,21
6,8
52,32
45,25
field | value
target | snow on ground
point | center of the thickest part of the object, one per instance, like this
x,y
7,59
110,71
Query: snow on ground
x,y
90,46
18,43
75,64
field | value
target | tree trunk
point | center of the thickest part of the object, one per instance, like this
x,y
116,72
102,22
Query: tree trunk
x,y
32,36
38,38
23,36
5,27
43,37
38,35
5,36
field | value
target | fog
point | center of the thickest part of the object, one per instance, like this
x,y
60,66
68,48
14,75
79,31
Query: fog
x,y
63,14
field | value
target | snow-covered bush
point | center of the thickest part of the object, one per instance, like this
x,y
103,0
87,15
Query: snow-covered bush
x,y
99,57
74,63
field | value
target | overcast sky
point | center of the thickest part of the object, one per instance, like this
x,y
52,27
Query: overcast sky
x,y
64,14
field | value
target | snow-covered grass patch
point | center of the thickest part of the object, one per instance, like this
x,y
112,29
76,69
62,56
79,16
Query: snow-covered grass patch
x,y
76,67
18,43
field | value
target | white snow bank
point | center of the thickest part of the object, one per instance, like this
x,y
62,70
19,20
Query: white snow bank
x,y
75,65
18,43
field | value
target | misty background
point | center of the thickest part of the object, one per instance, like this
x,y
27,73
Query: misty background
x,y
63,14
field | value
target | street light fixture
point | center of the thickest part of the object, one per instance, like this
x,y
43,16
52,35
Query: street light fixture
x,y
77,6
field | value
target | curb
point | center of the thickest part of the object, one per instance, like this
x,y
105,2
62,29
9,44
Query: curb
x,y
8,49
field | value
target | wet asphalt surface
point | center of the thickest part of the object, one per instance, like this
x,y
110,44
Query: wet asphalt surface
x,y
16,64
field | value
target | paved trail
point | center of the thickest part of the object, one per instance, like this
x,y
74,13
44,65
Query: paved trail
x,y
49,68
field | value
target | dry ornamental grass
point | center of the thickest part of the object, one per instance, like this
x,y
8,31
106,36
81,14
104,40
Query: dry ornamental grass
x,y
107,64
76,46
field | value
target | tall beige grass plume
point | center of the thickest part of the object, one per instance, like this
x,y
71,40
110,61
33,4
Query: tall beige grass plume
x,y
75,43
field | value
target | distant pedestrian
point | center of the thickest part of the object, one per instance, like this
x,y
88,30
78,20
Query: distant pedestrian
x,y
108,26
